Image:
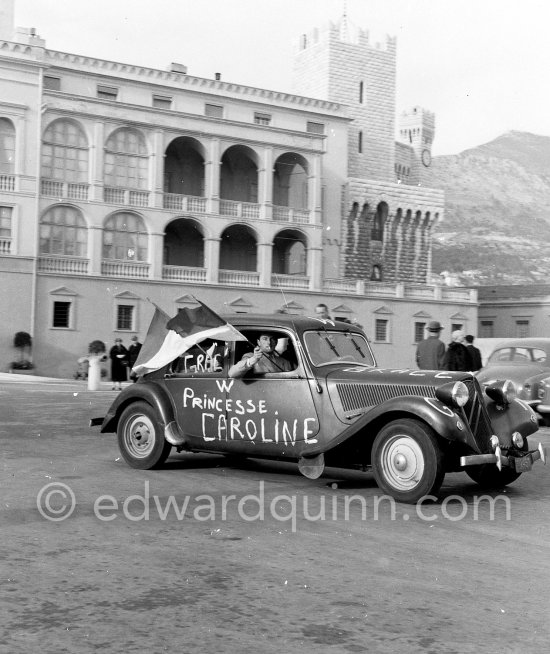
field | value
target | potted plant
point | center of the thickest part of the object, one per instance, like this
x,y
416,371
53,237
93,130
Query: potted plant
x,y
22,341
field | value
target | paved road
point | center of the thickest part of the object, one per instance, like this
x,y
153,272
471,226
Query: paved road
x,y
128,571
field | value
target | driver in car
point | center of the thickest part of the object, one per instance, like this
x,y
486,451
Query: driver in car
x,y
264,360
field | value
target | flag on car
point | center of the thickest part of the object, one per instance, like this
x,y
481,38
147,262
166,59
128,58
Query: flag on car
x,y
168,338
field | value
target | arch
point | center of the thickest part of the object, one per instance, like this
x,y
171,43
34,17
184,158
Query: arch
x,y
184,243
238,248
290,253
239,174
184,167
126,161
125,237
380,217
290,181
7,147
63,231
65,152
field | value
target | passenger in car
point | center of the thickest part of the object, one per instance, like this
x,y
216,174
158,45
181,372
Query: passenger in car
x,y
264,360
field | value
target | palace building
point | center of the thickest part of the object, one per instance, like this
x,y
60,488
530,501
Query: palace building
x,y
123,186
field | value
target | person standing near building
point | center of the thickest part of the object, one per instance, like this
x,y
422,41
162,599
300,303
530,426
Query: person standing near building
x,y
430,352
119,359
475,353
457,356
133,352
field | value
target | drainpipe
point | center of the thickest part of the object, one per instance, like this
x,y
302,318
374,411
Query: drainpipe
x,y
37,204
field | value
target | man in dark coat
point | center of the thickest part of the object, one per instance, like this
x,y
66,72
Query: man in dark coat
x,y
119,359
475,354
133,352
457,356
430,351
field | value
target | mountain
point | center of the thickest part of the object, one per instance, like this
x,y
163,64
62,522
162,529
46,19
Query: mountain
x,y
497,223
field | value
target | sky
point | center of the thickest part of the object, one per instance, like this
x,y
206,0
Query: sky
x,y
482,66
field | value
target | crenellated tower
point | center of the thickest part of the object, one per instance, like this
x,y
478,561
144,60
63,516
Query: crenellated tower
x,y
339,63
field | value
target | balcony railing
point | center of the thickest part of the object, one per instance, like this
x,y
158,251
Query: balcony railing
x,y
129,197
63,265
7,182
239,278
341,286
5,245
290,215
239,209
418,292
63,190
189,203
125,269
289,281
184,274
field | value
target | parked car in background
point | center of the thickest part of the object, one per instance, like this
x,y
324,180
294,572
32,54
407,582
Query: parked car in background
x,y
526,362
334,407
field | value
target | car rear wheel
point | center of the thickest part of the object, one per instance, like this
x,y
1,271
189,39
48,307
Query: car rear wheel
x,y
140,437
407,461
489,476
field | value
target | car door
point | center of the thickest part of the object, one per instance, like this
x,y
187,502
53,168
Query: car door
x,y
196,383
270,415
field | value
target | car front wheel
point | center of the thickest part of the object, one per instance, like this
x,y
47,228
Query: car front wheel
x,y
140,437
407,461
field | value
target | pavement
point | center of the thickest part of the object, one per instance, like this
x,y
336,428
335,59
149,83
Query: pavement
x,y
17,378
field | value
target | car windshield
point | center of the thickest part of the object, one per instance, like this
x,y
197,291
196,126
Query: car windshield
x,y
518,355
325,347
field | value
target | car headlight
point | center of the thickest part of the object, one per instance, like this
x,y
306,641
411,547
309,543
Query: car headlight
x,y
501,392
453,393
517,440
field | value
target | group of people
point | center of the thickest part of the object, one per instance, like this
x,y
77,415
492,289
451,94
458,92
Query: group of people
x,y
122,360
461,354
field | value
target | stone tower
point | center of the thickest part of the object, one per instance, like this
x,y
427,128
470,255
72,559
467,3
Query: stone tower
x,y
339,63
417,130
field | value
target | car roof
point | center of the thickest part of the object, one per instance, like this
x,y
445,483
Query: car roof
x,y
541,342
281,320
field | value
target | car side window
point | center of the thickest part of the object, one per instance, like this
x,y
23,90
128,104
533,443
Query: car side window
x,y
539,355
206,358
504,354
285,347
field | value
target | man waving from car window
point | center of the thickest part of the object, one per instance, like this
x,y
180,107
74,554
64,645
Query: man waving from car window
x,y
265,359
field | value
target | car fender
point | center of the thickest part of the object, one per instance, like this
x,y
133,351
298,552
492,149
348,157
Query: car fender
x,y
153,394
516,416
442,419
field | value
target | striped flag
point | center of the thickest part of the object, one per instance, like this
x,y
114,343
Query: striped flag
x,y
168,338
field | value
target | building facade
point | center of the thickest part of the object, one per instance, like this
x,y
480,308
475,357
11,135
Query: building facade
x,y
123,186
514,311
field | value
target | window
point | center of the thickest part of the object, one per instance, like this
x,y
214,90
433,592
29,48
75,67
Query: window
x,y
52,83
262,119
125,238
456,326
125,317
65,152
63,231
213,110
360,143
107,92
126,160
361,92
522,328
162,101
61,314
487,329
381,330
6,230
315,128
7,147
419,328
377,231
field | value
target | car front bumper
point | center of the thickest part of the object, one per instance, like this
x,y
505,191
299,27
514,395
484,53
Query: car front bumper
x,y
518,463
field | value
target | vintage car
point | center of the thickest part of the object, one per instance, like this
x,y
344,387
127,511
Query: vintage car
x,y
335,407
525,362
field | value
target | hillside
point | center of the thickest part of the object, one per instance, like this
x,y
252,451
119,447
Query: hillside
x,y
497,224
